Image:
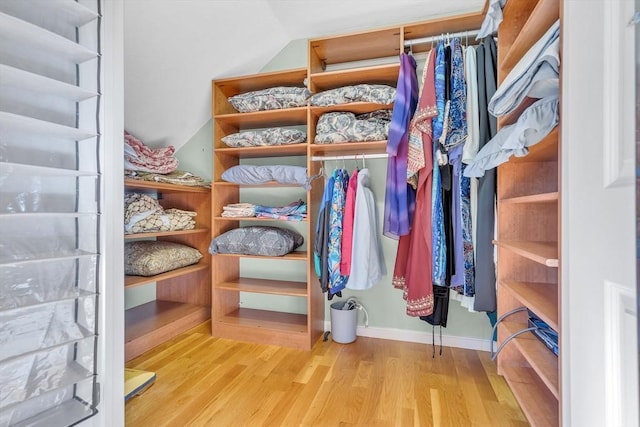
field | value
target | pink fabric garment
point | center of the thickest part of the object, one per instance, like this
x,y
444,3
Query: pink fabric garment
x,y
145,159
412,272
347,225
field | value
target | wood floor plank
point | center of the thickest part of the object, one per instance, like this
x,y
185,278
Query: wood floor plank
x,y
300,406
206,381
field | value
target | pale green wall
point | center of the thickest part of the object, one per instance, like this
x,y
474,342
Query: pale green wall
x,y
196,155
293,55
384,304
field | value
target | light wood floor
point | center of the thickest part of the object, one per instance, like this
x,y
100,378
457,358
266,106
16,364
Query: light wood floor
x,y
206,381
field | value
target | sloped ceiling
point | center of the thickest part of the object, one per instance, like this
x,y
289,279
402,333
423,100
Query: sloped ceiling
x,y
174,48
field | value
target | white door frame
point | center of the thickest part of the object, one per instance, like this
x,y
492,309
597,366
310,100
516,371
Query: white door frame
x,y
598,271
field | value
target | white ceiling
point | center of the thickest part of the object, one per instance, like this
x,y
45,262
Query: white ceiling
x,y
174,48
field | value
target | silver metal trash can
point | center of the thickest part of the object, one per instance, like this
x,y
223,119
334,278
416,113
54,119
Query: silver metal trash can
x,y
344,320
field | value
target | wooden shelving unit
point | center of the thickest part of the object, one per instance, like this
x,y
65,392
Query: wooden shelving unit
x,y
184,294
528,235
229,320
362,57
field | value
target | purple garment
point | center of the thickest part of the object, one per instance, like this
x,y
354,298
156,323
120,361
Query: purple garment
x,y
399,201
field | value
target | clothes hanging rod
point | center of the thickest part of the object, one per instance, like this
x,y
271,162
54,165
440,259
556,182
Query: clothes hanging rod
x,y
350,157
471,34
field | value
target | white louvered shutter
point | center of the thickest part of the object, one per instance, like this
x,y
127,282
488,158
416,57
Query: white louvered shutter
x,y
50,210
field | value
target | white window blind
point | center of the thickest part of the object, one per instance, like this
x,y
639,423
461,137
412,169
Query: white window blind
x,y
50,206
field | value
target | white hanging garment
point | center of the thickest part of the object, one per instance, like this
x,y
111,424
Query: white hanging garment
x,y
367,265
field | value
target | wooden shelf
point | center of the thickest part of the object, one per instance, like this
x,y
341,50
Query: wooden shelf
x,y
253,218
541,298
272,184
442,25
165,233
292,256
533,198
264,151
334,61
379,74
348,148
544,151
352,107
263,119
528,223
265,327
152,323
537,403
354,47
248,83
138,184
545,253
132,281
545,13
266,319
264,286
541,359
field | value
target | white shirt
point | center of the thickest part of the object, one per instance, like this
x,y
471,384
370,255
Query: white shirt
x,y
367,262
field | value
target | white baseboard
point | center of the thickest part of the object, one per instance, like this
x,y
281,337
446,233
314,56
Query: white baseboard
x,y
421,337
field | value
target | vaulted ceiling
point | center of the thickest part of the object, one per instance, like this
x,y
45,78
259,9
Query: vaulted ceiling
x,y
174,48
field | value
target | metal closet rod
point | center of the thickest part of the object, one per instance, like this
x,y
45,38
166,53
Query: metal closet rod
x,y
350,157
469,33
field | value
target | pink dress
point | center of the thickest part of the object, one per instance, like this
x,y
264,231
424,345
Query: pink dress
x,y
347,225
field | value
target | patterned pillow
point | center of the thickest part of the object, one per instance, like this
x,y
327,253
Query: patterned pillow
x,y
271,136
337,127
274,98
257,240
148,257
379,94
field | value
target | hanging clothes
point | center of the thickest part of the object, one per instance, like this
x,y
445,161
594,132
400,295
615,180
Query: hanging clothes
x,y
485,280
321,244
347,225
440,313
369,266
457,124
470,148
336,280
411,273
469,190
438,240
399,196
455,137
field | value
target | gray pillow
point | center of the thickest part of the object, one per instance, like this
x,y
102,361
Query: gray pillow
x,y
257,240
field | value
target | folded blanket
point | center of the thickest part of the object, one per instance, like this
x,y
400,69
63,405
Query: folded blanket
x,y
139,157
238,210
143,214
